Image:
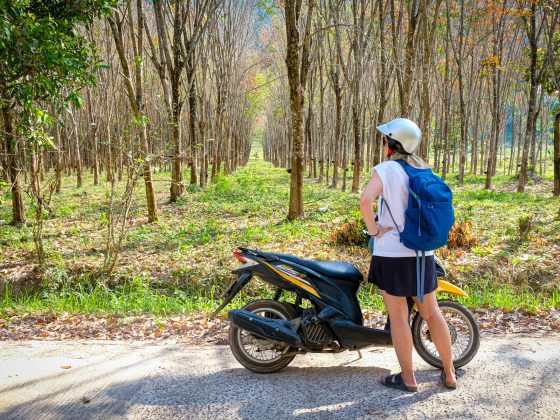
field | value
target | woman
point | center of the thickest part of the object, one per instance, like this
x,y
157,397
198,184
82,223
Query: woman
x,y
393,266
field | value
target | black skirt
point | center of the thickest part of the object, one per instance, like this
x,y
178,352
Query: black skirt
x,y
397,275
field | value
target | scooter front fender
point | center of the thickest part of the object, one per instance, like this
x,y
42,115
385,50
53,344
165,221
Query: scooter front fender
x,y
446,287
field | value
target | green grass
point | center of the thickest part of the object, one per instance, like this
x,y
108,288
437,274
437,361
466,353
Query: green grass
x,y
184,261
138,298
505,297
135,298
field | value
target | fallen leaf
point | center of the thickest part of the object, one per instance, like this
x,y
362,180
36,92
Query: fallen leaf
x,y
65,367
375,412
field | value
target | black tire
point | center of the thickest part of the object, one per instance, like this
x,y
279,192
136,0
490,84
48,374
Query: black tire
x,y
270,309
465,335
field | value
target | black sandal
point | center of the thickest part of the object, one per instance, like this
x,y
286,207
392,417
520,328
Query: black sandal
x,y
395,381
446,383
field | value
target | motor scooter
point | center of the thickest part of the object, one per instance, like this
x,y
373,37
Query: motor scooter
x,y
324,315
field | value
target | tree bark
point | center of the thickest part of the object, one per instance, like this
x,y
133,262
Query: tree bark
x,y
192,119
296,78
135,97
410,54
18,209
531,112
428,40
497,50
556,190
383,93
458,55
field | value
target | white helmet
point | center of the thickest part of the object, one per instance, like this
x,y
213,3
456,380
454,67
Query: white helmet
x,y
404,131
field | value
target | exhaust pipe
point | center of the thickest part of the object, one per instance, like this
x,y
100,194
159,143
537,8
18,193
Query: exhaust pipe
x,y
270,329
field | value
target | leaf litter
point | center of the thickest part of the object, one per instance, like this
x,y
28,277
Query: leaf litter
x,y
197,329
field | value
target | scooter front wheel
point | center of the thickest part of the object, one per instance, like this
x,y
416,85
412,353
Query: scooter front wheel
x,y
465,335
258,354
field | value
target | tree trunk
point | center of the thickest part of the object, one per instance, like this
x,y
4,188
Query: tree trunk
x,y
458,55
428,40
337,129
135,97
463,122
92,135
357,145
18,209
59,160
296,80
529,129
557,154
192,120
177,188
531,111
446,110
512,146
410,54
322,144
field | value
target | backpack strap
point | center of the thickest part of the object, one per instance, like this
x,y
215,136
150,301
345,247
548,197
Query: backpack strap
x,y
390,214
420,274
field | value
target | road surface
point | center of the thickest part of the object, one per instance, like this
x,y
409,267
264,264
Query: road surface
x,y
512,377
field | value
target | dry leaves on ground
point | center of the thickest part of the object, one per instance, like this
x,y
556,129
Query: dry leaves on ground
x,y
197,329
193,328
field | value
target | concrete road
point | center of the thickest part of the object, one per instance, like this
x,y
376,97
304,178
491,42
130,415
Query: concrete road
x,y
511,378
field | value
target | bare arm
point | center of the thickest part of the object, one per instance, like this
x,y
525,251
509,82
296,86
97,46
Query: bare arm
x,y
370,194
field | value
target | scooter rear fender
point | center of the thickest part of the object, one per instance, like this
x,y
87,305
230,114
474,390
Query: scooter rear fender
x,y
233,290
446,287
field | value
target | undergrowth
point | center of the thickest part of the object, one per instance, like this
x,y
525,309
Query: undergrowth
x,y
505,247
138,298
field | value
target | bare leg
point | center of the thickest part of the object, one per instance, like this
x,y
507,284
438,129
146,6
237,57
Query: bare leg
x,y
401,335
438,331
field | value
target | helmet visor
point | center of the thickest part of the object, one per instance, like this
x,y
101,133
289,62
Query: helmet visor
x,y
384,129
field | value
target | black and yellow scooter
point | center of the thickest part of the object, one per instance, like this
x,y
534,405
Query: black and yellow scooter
x,y
325,316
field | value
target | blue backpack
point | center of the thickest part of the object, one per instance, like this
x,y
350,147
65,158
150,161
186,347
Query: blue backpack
x,y
428,217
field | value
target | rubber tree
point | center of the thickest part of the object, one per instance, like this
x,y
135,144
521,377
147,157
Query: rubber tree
x,y
495,65
552,85
457,46
539,22
297,65
135,91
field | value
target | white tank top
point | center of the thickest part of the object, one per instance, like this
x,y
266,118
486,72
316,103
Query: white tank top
x,y
395,194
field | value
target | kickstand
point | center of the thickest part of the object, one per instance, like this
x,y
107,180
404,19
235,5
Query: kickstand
x,y
352,361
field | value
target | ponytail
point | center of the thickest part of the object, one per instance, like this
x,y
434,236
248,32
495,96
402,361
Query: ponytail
x,y
413,159
396,151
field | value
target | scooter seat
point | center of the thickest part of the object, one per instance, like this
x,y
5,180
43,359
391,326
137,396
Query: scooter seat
x,y
337,270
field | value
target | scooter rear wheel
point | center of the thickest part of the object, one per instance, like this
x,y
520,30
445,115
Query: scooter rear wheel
x,y
258,354
465,335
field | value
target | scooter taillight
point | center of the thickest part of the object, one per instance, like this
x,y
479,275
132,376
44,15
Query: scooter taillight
x,y
239,257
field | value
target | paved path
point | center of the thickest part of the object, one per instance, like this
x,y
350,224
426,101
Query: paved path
x,y
511,378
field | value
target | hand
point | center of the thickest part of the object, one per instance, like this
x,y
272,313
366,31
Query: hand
x,y
382,230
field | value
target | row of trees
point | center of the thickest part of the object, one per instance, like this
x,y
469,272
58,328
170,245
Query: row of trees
x,y
107,85
480,78
102,85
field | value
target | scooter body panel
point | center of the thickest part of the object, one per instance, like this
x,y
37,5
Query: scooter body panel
x,y
286,275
